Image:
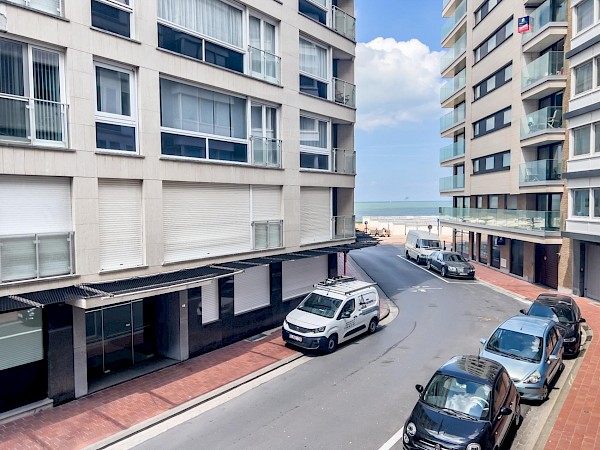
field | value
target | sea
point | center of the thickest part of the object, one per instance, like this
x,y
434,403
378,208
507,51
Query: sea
x,y
398,208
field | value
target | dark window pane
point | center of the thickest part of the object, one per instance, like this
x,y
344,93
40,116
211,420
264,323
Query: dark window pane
x,y
179,42
111,19
173,144
314,161
227,151
312,11
224,57
115,137
313,87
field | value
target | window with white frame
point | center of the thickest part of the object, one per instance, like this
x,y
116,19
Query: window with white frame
x,y
314,9
596,195
54,7
262,49
581,203
32,99
314,143
581,140
583,77
266,147
200,123
114,16
314,69
116,115
584,13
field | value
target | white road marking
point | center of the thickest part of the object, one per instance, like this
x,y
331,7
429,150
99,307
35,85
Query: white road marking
x,y
392,441
423,288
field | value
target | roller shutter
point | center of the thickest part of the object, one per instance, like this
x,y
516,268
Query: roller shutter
x,y
299,276
210,302
205,220
315,215
592,280
251,289
120,224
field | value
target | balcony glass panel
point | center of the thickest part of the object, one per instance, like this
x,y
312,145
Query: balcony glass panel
x,y
539,171
345,93
264,65
266,152
542,120
452,151
343,227
344,161
454,52
450,22
504,218
268,234
344,23
454,117
549,11
551,63
453,86
452,183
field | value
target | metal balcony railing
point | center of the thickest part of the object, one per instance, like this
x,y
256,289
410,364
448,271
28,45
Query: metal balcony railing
x,y
542,16
33,121
344,161
452,183
452,151
264,65
537,221
450,22
266,152
549,64
536,172
542,120
454,52
54,7
344,92
453,86
33,256
343,227
344,24
453,118
267,234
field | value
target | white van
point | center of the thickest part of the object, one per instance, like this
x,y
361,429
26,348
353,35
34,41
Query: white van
x,y
420,244
337,310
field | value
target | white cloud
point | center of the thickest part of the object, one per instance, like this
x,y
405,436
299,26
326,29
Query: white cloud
x,y
396,82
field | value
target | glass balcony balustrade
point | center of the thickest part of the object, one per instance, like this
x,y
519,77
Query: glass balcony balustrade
x,y
267,234
545,119
344,24
266,152
450,22
344,161
452,151
535,172
343,227
452,183
454,52
453,86
453,118
537,221
344,92
551,63
264,65
544,14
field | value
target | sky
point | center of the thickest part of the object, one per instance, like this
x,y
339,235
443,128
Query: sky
x,y
397,134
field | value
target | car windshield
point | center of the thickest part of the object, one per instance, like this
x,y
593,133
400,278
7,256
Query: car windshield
x,y
454,257
462,396
428,243
558,313
516,344
320,305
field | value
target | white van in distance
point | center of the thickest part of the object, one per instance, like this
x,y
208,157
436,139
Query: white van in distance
x,y
420,244
337,310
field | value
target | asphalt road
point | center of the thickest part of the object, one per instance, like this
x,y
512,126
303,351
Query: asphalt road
x,y
360,396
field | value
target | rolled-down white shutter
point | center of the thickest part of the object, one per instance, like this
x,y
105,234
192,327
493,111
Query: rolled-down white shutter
x,y
205,220
300,276
315,215
120,224
210,302
251,289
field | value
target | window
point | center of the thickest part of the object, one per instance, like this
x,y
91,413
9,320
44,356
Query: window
x,y
485,9
596,193
584,12
479,201
114,16
199,123
32,108
583,77
489,163
492,163
491,123
506,159
315,9
502,34
115,108
493,201
314,143
54,7
581,202
581,140
262,49
266,148
314,71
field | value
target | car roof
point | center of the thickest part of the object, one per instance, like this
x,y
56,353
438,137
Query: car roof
x,y
536,326
424,234
472,367
554,299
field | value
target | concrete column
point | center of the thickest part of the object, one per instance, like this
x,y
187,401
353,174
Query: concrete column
x,y
80,352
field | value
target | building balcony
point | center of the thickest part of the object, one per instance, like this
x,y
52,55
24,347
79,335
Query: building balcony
x,y
264,65
35,256
344,93
452,183
453,118
344,161
453,87
548,25
533,222
344,23
451,23
32,121
544,76
454,55
266,152
267,234
540,173
545,123
452,151
54,7
343,227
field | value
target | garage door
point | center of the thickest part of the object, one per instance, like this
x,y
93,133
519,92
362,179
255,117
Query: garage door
x,y
251,289
300,276
592,280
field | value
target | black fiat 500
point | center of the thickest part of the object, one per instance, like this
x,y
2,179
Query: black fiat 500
x,y
469,403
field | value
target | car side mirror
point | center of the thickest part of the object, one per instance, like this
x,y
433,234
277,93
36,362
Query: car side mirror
x,y
552,358
582,320
419,388
504,411
483,341
345,315
522,311
417,246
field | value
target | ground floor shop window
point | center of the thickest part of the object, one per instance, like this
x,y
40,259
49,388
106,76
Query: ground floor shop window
x,y
462,242
483,248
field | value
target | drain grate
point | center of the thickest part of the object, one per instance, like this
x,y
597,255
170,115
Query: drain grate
x,y
588,338
257,337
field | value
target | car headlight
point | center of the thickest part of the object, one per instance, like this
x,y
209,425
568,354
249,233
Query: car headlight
x,y
319,330
571,339
535,377
452,269
473,447
411,429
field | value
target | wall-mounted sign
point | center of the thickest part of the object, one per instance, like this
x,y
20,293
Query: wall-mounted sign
x,y
523,24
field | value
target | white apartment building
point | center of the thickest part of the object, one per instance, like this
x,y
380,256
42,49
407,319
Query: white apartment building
x,y
174,176
505,133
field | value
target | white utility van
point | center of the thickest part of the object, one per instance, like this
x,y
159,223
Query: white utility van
x,y
420,244
337,310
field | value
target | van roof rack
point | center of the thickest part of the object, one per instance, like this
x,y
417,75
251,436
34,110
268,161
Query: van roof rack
x,y
343,284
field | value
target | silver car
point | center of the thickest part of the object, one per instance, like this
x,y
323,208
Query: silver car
x,y
531,350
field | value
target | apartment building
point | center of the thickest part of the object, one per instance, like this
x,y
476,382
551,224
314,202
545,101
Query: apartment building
x,y
174,176
504,93
582,175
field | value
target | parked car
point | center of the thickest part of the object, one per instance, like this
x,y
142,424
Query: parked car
x,y
469,403
531,350
450,264
420,244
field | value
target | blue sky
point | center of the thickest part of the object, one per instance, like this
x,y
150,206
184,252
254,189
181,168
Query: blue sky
x,y
397,76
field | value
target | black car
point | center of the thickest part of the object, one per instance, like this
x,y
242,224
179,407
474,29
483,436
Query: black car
x,y
567,315
450,264
469,403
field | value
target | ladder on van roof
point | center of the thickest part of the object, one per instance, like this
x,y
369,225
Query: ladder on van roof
x,y
343,285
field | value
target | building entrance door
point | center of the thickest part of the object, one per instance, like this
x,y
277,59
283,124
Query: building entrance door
x,y
516,257
546,265
118,344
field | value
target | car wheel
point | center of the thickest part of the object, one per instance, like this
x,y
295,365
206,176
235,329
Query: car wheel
x,y
428,265
518,417
372,325
418,259
444,271
545,392
407,255
332,343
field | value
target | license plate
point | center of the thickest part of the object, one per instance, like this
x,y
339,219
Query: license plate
x,y
293,337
